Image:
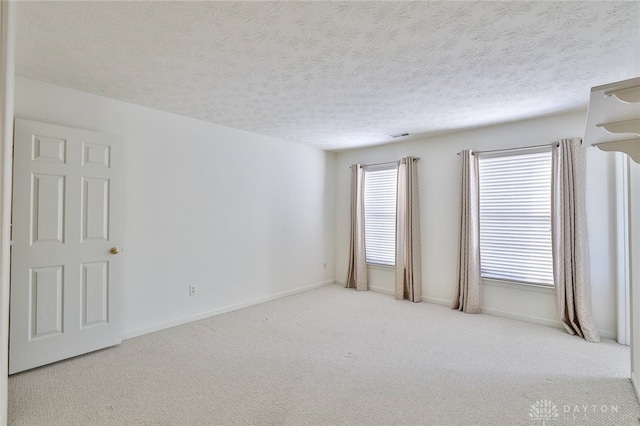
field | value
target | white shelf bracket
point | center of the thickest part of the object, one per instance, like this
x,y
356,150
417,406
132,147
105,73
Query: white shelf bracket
x,y
628,146
629,126
628,95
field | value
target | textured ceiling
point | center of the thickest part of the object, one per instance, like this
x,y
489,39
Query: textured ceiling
x,y
334,75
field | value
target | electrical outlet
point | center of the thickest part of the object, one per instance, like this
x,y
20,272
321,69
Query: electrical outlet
x,y
192,290
324,266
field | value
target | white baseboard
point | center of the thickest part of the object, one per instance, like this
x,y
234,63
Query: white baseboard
x,y
375,289
371,288
180,321
607,334
382,290
635,381
424,299
442,302
520,317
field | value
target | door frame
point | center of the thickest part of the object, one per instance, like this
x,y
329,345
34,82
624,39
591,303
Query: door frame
x,y
623,272
7,87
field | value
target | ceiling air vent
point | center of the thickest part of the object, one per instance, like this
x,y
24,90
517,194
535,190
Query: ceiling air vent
x,y
399,135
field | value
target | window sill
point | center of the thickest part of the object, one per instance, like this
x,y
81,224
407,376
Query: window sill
x,y
538,288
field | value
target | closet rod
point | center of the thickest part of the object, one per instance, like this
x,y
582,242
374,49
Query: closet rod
x,y
388,162
522,148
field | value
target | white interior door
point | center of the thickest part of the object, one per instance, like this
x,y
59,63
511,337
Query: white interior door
x,y
64,277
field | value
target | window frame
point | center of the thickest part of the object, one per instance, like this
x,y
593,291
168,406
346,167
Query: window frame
x,y
377,168
547,263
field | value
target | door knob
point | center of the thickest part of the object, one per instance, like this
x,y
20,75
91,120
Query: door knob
x,y
114,250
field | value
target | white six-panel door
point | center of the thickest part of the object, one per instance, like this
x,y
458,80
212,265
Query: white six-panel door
x,y
64,276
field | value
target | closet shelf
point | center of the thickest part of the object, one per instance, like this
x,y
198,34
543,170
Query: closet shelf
x,y
629,126
628,95
629,146
613,118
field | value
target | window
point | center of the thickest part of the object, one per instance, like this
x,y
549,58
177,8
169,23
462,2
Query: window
x,y
515,217
380,214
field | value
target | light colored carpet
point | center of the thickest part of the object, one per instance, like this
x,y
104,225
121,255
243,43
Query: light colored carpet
x,y
336,356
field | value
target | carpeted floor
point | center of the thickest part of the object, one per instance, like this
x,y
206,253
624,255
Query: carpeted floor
x,y
336,356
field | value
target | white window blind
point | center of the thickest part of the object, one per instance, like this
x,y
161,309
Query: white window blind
x,y
515,218
380,215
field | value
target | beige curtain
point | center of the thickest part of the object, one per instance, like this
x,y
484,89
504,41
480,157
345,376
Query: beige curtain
x,y
468,290
570,241
357,274
408,256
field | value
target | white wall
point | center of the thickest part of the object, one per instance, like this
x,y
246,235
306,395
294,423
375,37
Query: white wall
x,y
439,176
242,216
202,201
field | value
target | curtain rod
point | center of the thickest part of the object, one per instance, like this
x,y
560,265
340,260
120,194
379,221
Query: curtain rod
x,y
513,149
388,162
